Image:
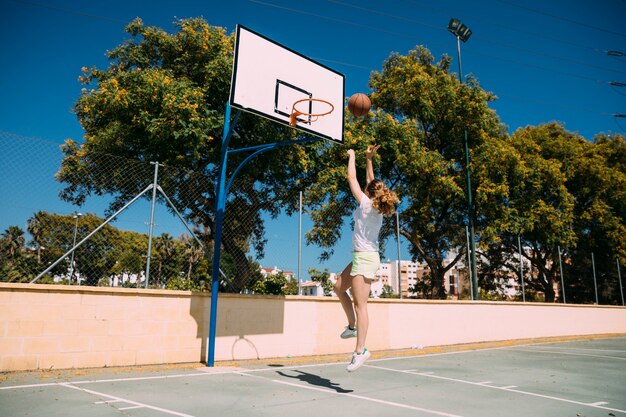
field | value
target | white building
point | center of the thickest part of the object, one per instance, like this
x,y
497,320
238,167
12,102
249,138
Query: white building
x,y
312,288
274,271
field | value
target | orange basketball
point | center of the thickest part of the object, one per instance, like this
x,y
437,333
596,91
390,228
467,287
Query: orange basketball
x,y
359,104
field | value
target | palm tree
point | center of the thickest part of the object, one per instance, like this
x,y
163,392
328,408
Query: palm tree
x,y
12,241
165,247
193,253
34,227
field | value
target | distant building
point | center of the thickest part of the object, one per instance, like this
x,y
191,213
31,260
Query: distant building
x,y
312,288
274,271
412,272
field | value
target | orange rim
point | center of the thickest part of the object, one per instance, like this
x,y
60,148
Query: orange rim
x,y
293,119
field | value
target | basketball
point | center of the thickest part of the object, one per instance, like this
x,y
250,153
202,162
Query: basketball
x,y
359,104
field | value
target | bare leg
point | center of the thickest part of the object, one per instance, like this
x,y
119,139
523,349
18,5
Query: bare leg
x,y
343,284
360,294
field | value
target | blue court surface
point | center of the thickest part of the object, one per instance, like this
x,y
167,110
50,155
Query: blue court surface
x,y
581,377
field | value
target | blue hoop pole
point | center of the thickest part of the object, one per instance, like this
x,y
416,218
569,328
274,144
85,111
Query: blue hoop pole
x,y
221,194
220,203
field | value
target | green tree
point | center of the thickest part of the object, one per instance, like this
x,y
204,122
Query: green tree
x,y
523,193
555,190
130,255
273,284
12,242
388,292
94,259
34,227
597,181
291,288
323,277
422,111
193,253
162,99
168,254
13,260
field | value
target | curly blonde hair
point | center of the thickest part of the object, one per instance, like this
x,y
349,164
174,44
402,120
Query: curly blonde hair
x,y
383,199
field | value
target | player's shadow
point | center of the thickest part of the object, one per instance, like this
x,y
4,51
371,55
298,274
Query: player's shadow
x,y
316,380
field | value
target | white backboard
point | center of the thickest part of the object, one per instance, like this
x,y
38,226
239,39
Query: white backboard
x,y
269,78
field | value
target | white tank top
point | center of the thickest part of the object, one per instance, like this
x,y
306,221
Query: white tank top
x,y
367,224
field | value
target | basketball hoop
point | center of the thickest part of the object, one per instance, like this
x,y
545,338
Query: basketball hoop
x,y
293,119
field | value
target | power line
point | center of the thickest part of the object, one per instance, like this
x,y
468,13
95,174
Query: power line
x,y
508,45
565,19
378,12
508,27
412,38
71,11
332,19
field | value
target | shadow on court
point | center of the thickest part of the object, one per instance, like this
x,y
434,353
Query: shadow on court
x,y
315,380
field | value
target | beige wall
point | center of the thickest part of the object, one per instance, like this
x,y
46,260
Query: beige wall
x,y
54,326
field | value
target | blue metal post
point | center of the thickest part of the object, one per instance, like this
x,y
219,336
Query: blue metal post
x,y
221,194
220,203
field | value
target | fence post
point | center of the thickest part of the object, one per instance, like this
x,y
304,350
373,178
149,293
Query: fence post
x,y
76,217
300,246
619,275
521,268
399,255
154,191
561,270
469,262
595,283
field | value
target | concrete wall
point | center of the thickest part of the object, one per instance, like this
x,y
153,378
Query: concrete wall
x,y
56,326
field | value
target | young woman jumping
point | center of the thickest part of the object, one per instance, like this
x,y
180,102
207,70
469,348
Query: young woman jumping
x,y
374,202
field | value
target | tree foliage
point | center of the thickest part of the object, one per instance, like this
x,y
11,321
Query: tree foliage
x,y
323,277
109,255
556,191
162,99
419,121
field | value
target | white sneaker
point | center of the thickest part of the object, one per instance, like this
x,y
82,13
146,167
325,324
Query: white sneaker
x,y
348,333
358,360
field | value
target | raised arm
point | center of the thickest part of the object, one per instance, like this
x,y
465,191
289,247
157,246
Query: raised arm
x,y
369,169
355,188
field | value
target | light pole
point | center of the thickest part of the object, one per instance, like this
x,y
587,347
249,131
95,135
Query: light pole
x,y
75,217
463,33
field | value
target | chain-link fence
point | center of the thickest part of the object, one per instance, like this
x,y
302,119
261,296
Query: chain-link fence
x,y
55,231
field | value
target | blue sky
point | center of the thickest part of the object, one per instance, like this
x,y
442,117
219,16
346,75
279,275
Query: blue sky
x,y
545,60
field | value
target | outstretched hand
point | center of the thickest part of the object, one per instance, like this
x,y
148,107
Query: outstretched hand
x,y
371,150
350,152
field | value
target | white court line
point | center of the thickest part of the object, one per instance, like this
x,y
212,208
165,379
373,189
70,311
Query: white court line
x,y
427,355
98,381
108,402
549,397
360,397
585,349
101,394
568,353
131,408
299,366
48,384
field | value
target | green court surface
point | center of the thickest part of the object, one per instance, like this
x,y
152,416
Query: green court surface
x,y
581,377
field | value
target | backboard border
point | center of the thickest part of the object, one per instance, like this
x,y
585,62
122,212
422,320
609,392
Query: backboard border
x,y
276,119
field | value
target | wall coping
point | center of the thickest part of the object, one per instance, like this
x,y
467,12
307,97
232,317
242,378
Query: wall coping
x,y
4,286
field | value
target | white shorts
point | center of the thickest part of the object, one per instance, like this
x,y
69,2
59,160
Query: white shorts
x,y
366,264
